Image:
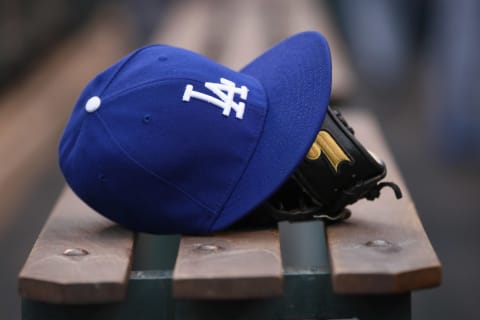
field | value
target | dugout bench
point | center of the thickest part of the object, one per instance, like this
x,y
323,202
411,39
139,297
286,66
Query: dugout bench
x,y
83,266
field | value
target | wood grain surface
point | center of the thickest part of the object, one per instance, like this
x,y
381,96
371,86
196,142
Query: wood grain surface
x,y
229,265
79,257
175,31
302,15
383,247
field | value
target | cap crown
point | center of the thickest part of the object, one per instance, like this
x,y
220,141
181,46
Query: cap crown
x,y
161,139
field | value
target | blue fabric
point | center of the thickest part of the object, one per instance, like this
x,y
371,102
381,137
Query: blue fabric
x,y
155,163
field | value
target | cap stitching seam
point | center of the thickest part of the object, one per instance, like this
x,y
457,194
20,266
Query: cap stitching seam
x,y
255,145
71,145
122,66
151,172
151,84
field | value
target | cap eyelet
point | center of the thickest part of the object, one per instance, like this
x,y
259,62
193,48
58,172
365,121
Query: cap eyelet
x,y
147,118
102,177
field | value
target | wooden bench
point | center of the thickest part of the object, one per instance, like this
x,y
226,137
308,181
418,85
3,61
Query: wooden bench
x,y
84,266
84,262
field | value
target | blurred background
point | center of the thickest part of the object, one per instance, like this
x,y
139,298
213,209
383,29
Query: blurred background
x,y
413,63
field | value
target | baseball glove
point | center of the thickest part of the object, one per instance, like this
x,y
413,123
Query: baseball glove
x,y
336,172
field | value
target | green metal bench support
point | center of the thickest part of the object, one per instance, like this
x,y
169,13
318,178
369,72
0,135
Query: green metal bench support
x,y
308,294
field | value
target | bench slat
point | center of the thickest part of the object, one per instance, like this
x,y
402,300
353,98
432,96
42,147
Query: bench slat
x,y
247,36
59,271
229,265
383,247
192,35
304,15
240,264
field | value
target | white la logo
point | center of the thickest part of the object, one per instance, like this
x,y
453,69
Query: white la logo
x,y
225,91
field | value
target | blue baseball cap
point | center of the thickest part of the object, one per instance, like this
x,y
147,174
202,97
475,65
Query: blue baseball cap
x,y
168,141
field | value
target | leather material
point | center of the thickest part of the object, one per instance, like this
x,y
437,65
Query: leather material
x,y
336,172
324,184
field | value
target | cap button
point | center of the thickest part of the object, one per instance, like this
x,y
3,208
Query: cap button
x,y
93,104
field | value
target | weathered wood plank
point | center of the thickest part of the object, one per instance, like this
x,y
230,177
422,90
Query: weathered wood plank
x,y
229,265
302,15
383,247
186,26
79,257
247,36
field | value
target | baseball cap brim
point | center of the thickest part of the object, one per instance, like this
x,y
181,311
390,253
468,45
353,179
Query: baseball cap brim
x,y
296,76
